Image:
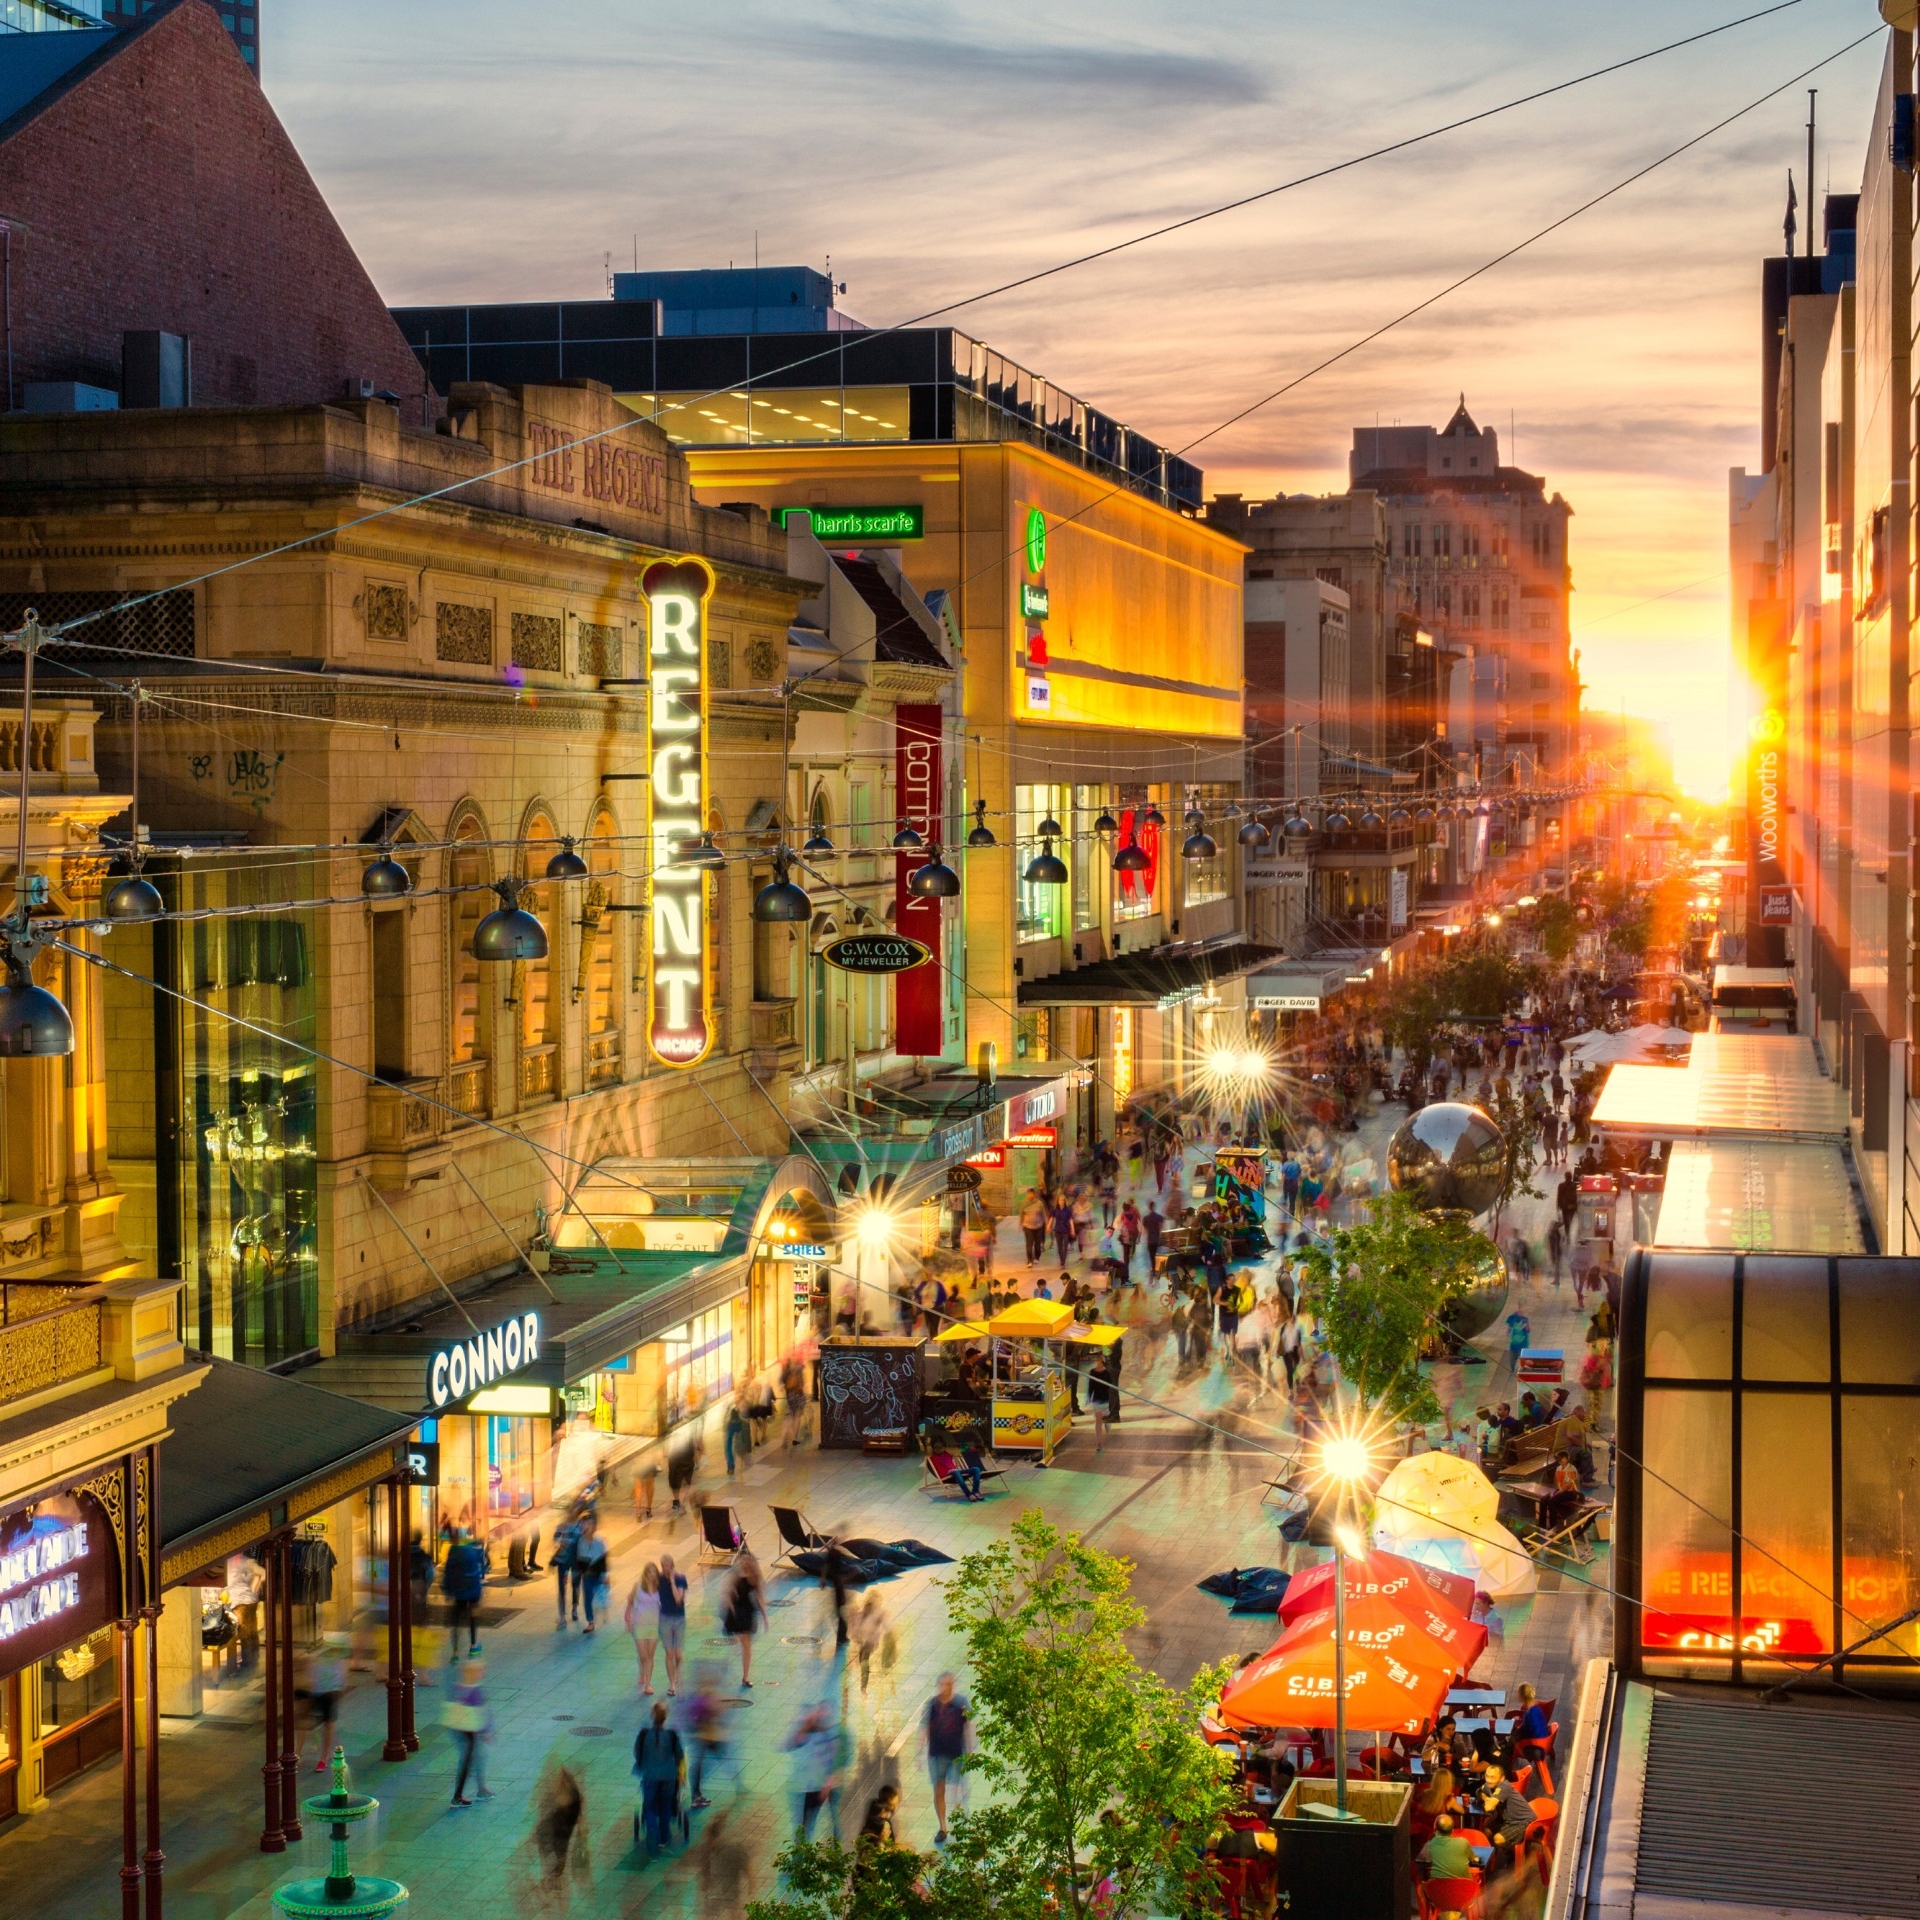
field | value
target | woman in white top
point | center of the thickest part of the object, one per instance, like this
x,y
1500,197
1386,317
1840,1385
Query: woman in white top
x,y
643,1621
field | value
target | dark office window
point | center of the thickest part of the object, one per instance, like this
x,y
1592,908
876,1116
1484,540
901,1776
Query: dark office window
x,y
797,359
507,366
516,322
889,359
625,365
606,320
701,366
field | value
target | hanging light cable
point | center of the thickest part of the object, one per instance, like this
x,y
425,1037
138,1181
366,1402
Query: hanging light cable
x,y
135,897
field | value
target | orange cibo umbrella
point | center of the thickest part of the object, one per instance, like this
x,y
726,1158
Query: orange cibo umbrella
x,y
1378,1571
1397,1674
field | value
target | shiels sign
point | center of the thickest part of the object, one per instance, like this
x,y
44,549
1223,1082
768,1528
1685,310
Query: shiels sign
x,y
679,1027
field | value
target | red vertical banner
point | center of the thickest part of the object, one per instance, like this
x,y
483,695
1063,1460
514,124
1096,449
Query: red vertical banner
x,y
920,996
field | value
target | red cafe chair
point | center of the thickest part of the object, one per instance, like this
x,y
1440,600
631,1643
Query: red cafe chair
x,y
1450,1896
1543,1832
1542,1750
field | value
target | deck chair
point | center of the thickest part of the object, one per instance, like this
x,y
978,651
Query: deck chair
x,y
797,1534
943,1470
721,1536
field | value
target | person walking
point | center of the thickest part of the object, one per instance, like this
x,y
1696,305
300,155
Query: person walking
x,y
467,1717
326,1682
462,1579
1101,1397
683,1454
1061,1221
813,1772
658,1760
1129,1237
673,1619
590,1564
643,1622
1290,1345
1033,1225
944,1729
868,1628
707,1725
736,1436
1557,1247
564,1560
1153,1225
559,1820
793,1380
744,1611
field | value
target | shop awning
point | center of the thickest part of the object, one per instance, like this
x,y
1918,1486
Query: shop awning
x,y
1760,1196
251,1451
1162,977
1732,1084
599,1307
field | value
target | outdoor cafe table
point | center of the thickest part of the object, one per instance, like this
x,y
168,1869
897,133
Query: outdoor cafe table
x,y
1477,1697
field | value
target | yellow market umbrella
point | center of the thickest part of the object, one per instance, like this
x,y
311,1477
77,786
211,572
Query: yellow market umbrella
x,y
1032,1320
961,1330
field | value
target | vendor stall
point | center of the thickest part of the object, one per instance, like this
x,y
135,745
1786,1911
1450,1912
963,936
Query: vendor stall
x,y
1031,1398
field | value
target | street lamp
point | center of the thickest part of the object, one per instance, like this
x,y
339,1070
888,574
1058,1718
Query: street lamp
x,y
1345,1464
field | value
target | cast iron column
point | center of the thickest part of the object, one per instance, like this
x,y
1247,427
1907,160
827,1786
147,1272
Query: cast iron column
x,y
396,1746
154,1861
129,1757
289,1724
406,1619
273,1839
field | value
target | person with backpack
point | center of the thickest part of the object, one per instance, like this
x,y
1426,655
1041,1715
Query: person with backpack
x,y
659,1759
462,1579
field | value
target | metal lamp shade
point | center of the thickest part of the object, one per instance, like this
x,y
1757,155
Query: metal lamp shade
x,y
1050,828
1370,820
1153,817
1106,823
982,835
1046,869
817,846
566,864
908,840
1297,827
935,881
1198,846
781,900
1337,822
136,898
34,1025
1130,859
1253,834
703,855
381,879
509,933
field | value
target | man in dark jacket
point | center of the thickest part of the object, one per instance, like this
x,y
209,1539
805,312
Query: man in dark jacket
x,y
1503,1815
461,1579
657,1757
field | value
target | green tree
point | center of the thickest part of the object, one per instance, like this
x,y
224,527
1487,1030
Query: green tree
x,y
1483,983
1095,1765
1381,1289
1520,1129
1559,927
1415,1015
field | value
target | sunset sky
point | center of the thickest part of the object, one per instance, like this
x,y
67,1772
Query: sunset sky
x,y
495,150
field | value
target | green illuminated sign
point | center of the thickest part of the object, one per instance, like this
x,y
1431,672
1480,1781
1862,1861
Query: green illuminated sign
x,y
1036,541
858,523
1033,601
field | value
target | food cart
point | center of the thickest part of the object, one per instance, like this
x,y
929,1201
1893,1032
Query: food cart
x,y
1031,1400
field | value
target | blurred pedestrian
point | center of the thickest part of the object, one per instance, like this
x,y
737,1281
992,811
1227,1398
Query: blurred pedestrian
x,y
590,1559
867,1629
559,1823
744,1611
468,1718
736,1436
326,1682
564,1560
1103,1397
646,1476
813,1771
683,1455
707,1730
462,1579
659,1758
944,1729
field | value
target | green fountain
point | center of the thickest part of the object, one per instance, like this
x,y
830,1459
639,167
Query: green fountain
x,y
342,1892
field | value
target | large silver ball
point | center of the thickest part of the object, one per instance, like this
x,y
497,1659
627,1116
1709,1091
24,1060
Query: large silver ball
x,y
1449,1155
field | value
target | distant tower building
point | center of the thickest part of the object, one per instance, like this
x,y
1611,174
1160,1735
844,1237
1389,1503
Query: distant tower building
x,y
1478,553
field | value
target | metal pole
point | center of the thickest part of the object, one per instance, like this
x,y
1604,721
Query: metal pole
x,y
154,1861
504,1234
129,1672
272,1838
29,640
1339,1679
406,1618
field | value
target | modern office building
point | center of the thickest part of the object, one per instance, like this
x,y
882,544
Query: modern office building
x,y
239,18
716,359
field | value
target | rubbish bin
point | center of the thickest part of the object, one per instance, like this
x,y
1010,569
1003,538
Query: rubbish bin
x,y
1356,1869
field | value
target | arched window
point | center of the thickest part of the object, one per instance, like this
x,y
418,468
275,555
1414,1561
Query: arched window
x,y
826,1005
600,984
539,1016
467,872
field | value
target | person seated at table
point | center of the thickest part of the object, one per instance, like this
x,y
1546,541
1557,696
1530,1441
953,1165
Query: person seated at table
x,y
1273,1763
1564,1502
1502,1814
1447,1749
1446,1856
1531,1722
1435,1798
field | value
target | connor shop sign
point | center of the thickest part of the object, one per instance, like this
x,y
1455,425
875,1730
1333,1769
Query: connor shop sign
x,y
58,1578
680,1026
468,1365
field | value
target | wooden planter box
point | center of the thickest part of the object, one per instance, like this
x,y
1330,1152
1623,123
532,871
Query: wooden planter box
x,y
1346,1869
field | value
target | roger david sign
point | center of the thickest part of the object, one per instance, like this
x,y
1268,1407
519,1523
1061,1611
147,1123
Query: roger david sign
x,y
876,953
468,1365
58,1578
680,1023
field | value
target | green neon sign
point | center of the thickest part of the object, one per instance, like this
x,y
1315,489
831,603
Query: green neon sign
x,y
858,523
1036,541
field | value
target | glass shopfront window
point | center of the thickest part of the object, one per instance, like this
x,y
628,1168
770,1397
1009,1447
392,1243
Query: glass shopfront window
x,y
1210,879
1756,1548
249,1194
1135,894
699,1363
1090,854
78,1682
776,415
1042,910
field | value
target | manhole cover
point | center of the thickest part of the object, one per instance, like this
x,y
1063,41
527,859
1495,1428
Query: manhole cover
x,y
591,1733
563,1716
799,1639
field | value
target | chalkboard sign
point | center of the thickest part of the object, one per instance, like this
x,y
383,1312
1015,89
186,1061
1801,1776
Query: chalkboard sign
x,y
869,1390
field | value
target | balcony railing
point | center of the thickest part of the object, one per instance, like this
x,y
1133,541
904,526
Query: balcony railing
x,y
603,1058
467,1086
49,1348
398,1120
539,1071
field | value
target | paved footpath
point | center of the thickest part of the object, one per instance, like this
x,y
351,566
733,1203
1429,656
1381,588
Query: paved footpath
x,y
1178,1489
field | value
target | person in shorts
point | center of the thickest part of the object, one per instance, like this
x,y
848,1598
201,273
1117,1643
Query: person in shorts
x,y
673,1619
946,1734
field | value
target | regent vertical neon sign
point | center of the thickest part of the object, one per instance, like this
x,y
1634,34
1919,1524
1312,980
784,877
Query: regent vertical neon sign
x,y
680,1027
